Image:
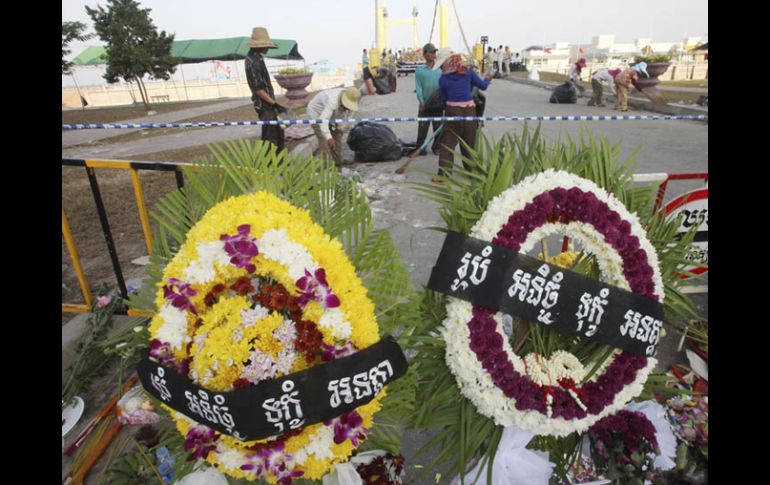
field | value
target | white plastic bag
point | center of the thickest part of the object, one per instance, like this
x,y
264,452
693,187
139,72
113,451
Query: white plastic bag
x,y
135,408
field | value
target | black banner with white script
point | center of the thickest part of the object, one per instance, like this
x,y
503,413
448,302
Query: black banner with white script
x,y
279,405
498,278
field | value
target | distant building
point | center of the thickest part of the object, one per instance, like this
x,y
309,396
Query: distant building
x,y
547,58
604,51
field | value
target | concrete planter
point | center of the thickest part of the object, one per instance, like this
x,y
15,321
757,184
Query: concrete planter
x,y
295,85
654,69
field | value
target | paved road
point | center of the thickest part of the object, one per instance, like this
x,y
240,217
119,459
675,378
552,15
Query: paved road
x,y
683,89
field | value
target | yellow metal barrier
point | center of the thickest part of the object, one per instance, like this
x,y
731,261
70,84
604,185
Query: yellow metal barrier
x,y
133,167
67,233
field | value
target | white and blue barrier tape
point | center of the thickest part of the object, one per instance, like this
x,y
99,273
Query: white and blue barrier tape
x,y
98,126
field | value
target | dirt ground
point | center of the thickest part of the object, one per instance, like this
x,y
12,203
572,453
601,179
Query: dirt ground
x,y
119,201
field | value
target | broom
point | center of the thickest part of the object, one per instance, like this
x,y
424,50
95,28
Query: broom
x,y
414,154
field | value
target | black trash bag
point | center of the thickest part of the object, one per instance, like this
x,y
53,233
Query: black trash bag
x,y
480,100
408,148
374,142
382,85
564,94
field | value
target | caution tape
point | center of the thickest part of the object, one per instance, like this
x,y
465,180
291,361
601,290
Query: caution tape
x,y
99,126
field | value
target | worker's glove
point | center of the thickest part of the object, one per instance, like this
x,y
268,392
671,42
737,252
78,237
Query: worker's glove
x,y
278,108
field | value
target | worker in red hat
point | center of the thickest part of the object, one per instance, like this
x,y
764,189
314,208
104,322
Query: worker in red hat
x,y
573,76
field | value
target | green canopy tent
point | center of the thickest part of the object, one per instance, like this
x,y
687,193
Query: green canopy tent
x,y
200,50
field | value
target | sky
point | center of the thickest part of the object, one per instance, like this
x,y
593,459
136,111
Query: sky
x,y
338,30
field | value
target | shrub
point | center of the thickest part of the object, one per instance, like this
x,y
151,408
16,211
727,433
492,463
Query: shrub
x,y
653,58
292,70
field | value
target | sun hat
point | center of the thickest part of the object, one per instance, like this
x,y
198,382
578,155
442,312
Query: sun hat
x,y
429,48
443,54
641,68
260,38
350,97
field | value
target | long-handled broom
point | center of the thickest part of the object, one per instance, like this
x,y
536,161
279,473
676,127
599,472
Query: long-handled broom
x,y
414,154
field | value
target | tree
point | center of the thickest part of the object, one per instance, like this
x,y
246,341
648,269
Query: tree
x,y
134,46
71,31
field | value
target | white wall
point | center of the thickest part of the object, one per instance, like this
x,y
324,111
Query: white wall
x,y
172,90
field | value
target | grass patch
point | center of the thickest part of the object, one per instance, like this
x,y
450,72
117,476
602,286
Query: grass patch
x,y
112,114
241,113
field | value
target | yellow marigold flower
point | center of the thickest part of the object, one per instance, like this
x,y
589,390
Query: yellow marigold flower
x,y
220,340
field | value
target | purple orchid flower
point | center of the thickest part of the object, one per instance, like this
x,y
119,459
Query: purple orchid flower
x,y
331,352
255,464
241,248
316,288
349,426
161,351
285,476
200,439
179,294
184,366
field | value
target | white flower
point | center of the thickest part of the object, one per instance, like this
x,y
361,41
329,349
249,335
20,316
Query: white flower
x,y
286,333
230,458
334,319
321,445
174,328
473,380
252,315
202,270
276,245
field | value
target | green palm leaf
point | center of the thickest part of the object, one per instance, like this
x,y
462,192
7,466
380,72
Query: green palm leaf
x,y
494,166
335,203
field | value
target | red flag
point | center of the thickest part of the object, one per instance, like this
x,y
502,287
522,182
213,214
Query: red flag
x,y
581,50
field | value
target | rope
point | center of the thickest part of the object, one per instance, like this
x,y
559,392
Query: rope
x,y
319,121
433,24
470,52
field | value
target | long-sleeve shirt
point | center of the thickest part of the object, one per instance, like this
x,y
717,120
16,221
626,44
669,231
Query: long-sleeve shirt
x,y
603,74
426,82
628,76
326,104
574,73
457,87
258,78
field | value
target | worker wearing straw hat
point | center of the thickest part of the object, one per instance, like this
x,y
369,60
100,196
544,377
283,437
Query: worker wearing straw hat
x,y
333,103
261,87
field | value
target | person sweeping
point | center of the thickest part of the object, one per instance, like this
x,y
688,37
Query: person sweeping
x,y
624,80
602,75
